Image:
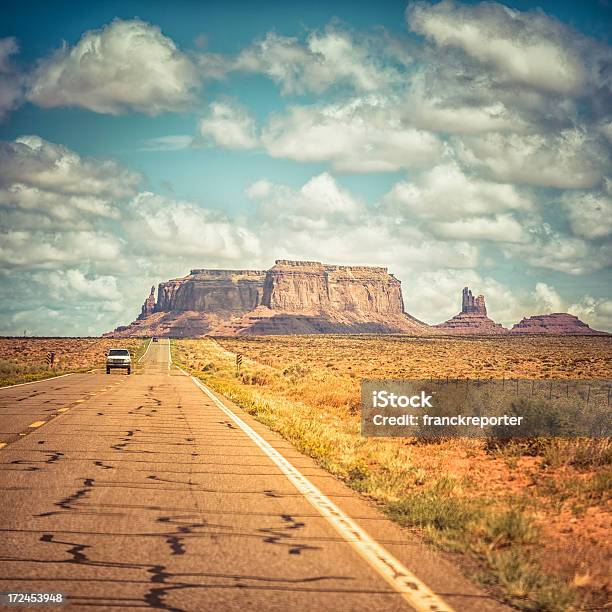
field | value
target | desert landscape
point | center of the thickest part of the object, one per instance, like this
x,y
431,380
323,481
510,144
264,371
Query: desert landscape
x,y
242,247
531,518
24,359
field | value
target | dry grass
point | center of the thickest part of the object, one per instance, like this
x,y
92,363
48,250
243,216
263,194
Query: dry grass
x,y
518,516
23,359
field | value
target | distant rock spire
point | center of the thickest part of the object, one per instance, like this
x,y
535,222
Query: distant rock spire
x,y
149,305
471,304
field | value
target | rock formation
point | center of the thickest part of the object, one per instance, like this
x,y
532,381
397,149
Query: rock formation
x,y
472,319
471,304
292,297
556,323
149,305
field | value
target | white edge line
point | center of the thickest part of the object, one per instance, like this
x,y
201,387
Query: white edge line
x,y
414,591
148,347
33,382
169,355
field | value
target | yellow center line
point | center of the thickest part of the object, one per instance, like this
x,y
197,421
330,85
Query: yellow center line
x,y
37,423
79,401
63,409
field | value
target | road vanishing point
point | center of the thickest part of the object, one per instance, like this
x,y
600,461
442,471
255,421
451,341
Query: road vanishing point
x,y
151,491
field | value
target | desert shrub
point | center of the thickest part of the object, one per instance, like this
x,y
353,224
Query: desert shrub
x,y
296,371
509,527
525,585
436,506
580,452
256,378
542,421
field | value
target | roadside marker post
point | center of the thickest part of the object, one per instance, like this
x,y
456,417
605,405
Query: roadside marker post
x,y
238,362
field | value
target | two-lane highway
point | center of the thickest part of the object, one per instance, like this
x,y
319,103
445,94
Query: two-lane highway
x,y
147,491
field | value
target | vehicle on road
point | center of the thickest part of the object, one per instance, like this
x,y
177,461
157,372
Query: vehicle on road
x,y
118,358
154,339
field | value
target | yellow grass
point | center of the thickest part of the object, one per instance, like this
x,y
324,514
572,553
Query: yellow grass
x,y
517,517
23,359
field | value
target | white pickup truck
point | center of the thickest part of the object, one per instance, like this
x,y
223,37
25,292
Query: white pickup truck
x,y
118,358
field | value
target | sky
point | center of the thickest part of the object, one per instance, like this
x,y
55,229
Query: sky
x,y
456,143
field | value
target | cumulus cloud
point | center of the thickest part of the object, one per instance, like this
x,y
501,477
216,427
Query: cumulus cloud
x,y
556,251
499,228
431,111
546,299
165,227
37,163
11,82
363,135
446,193
590,213
46,187
571,159
228,125
126,65
597,312
35,249
74,283
321,220
319,203
332,57
523,47
59,209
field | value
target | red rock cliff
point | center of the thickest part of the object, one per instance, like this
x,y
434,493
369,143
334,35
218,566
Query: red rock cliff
x,y
556,323
212,291
291,297
304,286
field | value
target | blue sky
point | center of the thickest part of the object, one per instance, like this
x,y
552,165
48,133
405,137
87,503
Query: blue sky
x,y
455,142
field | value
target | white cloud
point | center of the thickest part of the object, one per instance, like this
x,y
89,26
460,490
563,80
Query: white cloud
x,y
606,129
73,283
45,187
228,125
522,47
441,102
597,312
33,249
322,221
319,203
173,142
51,202
499,228
259,189
553,250
164,227
11,83
590,213
546,299
327,58
124,65
570,159
63,208
446,193
37,163
363,135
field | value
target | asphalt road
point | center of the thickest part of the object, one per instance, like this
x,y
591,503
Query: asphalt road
x,y
145,491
